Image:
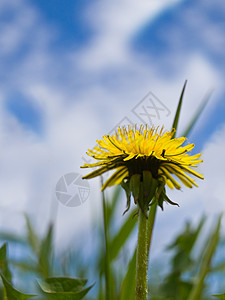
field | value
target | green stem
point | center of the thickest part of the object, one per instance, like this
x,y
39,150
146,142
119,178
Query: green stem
x,y
150,225
107,268
141,258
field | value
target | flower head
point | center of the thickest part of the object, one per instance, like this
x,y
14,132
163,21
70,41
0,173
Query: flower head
x,y
153,157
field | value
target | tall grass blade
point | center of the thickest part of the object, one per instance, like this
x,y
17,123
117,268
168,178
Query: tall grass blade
x,y
111,205
32,237
107,263
177,115
122,235
128,285
45,254
4,268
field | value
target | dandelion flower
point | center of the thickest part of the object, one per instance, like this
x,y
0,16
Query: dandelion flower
x,y
145,161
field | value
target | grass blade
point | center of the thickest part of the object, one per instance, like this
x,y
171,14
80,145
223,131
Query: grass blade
x,y
32,237
4,268
128,285
177,115
111,205
107,263
45,255
122,235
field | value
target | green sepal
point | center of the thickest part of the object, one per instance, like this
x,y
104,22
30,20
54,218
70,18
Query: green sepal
x,y
153,189
135,186
126,186
141,200
161,194
147,184
170,201
160,201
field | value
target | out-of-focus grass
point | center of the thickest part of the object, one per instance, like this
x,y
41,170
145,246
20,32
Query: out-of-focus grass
x,y
191,263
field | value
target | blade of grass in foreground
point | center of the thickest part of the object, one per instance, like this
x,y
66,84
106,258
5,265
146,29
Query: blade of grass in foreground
x,y
177,115
112,205
45,253
128,285
122,235
107,263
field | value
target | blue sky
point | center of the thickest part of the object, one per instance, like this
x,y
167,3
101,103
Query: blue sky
x,y
71,70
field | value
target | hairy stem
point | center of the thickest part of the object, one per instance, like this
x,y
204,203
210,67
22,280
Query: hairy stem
x,y
141,258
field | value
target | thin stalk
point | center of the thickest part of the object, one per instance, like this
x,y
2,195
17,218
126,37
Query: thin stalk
x,y
141,258
107,264
150,225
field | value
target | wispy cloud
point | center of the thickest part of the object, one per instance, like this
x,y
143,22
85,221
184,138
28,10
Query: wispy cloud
x,y
82,94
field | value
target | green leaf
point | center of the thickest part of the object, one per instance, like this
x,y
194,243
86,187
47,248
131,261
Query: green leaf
x,y
45,254
128,285
197,114
4,262
12,293
221,296
121,237
59,284
63,288
177,115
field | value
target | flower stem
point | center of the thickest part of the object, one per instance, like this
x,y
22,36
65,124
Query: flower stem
x,y
141,258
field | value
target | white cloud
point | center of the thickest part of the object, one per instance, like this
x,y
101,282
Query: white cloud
x,y
115,24
17,28
31,165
